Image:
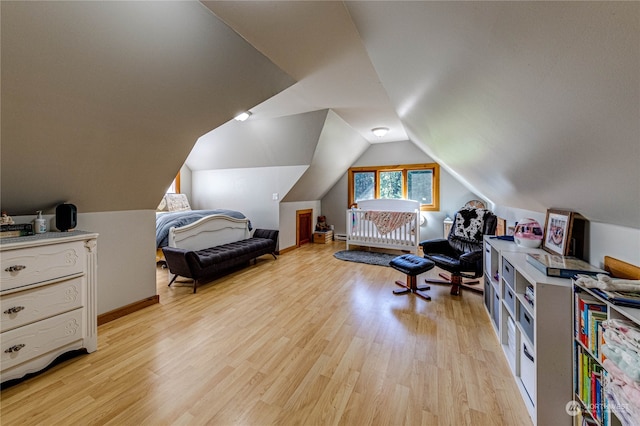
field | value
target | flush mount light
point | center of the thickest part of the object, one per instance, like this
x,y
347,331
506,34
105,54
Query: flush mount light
x,y
380,131
242,116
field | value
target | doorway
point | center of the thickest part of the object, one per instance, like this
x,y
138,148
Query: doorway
x,y
303,226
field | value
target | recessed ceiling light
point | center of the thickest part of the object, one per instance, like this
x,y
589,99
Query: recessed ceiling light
x,y
380,131
242,116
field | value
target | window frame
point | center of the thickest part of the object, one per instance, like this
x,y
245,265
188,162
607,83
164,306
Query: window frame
x,y
404,168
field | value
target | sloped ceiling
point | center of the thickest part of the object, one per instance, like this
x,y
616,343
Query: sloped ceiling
x,y
103,101
533,104
281,141
317,43
530,104
339,146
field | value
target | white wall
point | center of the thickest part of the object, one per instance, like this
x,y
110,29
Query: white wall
x,y
616,241
126,254
249,191
288,220
185,182
452,194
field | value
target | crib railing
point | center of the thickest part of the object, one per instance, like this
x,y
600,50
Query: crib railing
x,y
361,231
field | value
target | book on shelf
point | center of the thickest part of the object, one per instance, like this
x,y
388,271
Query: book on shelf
x,y
529,295
562,266
590,377
588,310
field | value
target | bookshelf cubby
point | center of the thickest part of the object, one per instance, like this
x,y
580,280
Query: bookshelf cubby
x,y
588,370
531,314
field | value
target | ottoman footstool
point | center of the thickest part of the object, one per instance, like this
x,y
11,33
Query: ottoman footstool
x,y
412,266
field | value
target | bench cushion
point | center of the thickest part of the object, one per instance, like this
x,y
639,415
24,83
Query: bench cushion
x,y
237,251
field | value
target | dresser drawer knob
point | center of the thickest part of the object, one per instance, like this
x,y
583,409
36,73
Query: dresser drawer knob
x,y
14,348
15,268
14,310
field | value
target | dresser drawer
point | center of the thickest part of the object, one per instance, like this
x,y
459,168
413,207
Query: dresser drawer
x,y
25,307
28,342
32,265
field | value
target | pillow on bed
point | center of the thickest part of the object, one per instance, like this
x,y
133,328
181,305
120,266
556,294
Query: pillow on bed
x,y
174,203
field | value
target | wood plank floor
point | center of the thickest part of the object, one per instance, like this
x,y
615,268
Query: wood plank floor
x,y
303,340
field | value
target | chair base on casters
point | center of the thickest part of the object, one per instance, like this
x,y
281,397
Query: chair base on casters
x,y
412,266
456,282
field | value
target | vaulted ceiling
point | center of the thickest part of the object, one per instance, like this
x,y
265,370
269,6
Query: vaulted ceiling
x,y
530,104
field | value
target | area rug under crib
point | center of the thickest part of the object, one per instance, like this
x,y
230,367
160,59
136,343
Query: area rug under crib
x,y
369,257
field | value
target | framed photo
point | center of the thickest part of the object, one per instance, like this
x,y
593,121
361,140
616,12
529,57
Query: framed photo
x,y
557,231
501,227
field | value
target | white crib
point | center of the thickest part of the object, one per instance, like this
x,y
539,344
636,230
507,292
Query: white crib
x,y
387,224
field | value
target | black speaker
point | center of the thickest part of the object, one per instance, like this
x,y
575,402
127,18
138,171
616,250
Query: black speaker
x,y
66,217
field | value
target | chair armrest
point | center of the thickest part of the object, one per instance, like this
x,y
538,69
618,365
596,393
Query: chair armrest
x,y
472,261
439,245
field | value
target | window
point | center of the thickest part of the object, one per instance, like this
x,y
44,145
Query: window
x,y
175,186
420,182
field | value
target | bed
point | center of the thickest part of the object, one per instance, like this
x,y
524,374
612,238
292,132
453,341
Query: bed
x,y
179,226
386,224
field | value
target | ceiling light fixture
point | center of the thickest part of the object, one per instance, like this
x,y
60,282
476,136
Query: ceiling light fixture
x,y
242,116
380,131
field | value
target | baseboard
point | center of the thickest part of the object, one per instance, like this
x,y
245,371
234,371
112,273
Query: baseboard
x,y
284,250
128,309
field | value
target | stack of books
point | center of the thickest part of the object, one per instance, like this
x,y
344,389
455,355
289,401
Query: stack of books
x,y
562,266
589,316
16,230
529,296
591,378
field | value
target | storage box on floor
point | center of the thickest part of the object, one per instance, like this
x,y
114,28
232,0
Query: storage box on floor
x,y
322,237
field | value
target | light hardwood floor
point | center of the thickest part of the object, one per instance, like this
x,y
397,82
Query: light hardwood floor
x,y
303,340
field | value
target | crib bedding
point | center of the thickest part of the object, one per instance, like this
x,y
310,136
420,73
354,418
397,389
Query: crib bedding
x,y
164,221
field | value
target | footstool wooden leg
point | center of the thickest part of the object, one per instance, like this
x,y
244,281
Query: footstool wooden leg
x,y
423,294
412,266
405,288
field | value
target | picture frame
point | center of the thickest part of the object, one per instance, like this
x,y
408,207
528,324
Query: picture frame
x,y
501,227
558,227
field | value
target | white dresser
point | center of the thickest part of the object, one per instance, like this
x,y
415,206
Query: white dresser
x,y
48,307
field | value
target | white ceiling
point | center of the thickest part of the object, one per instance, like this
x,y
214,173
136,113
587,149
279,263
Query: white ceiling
x,y
531,104
317,44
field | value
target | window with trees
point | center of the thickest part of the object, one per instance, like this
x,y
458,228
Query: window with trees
x,y
420,182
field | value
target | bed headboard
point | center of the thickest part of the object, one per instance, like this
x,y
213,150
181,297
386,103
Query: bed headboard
x,y
389,205
208,232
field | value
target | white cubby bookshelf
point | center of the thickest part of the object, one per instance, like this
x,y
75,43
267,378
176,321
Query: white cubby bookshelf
x,y
536,340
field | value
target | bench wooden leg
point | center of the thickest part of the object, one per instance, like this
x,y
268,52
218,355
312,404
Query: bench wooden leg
x,y
172,280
